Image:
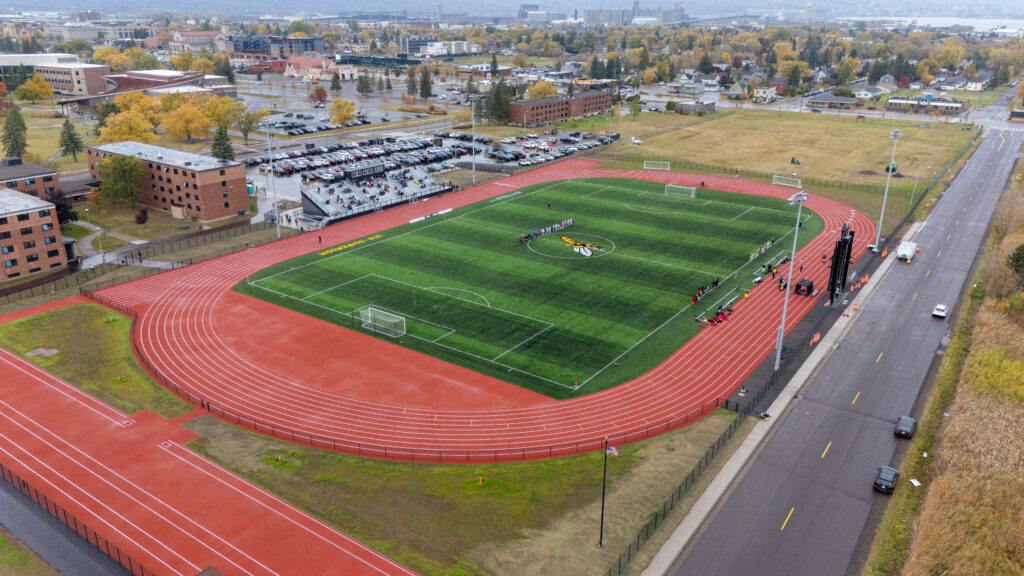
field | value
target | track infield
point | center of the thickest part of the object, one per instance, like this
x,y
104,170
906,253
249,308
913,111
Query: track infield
x,y
539,314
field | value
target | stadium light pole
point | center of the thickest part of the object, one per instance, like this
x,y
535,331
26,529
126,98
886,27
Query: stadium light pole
x,y
797,199
895,135
472,120
273,184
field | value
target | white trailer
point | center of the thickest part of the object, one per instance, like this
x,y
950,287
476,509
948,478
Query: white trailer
x,y
906,250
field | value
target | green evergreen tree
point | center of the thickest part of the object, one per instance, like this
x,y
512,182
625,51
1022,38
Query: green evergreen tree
x,y
335,82
70,141
494,65
221,147
380,84
410,82
387,84
426,83
259,75
14,134
103,110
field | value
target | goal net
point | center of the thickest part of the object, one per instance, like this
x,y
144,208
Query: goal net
x,y
680,191
787,181
382,322
654,165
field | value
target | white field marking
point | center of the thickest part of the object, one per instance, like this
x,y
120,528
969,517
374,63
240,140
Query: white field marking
x,y
417,229
740,215
143,491
598,191
655,262
353,315
335,286
685,200
44,479
477,294
119,422
276,510
538,333
410,335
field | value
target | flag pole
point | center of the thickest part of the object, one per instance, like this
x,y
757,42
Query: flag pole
x,y
604,478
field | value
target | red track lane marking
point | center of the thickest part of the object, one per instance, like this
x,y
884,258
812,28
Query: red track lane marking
x,y
191,460
179,333
103,479
52,473
65,389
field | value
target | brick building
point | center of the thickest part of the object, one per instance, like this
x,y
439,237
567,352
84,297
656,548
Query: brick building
x,y
185,184
31,179
557,108
78,79
30,239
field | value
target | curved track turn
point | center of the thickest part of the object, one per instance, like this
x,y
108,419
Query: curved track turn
x,y
288,375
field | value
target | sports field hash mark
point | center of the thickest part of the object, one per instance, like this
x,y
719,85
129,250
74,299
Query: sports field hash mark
x,y
543,315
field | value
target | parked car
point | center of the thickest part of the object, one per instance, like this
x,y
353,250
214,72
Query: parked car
x,y
940,311
885,479
905,427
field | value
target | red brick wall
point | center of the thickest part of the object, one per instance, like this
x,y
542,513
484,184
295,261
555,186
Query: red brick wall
x,y
38,255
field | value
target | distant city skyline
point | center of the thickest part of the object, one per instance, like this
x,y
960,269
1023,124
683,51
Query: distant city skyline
x,y
831,8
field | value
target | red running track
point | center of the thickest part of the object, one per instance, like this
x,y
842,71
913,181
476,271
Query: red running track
x,y
293,376
132,481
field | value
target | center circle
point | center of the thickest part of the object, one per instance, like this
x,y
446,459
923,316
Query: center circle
x,y
552,246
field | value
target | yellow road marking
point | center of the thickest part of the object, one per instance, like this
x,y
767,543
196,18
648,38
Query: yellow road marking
x,y
784,522
965,209
948,235
877,360
927,274
972,199
957,222
826,449
939,254
914,298
855,399
1002,141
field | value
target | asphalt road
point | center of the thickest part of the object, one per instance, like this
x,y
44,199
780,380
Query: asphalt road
x,y
804,505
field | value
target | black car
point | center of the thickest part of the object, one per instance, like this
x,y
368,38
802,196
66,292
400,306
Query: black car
x,y
905,427
885,480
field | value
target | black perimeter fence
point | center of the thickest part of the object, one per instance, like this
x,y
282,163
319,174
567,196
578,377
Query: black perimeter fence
x,y
127,562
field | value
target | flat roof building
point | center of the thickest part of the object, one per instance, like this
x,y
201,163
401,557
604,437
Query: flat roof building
x,y
31,179
558,108
185,184
30,239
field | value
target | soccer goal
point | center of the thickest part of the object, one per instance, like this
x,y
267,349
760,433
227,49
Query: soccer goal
x,y
680,191
382,322
787,181
655,165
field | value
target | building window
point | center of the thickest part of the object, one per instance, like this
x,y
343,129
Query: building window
x,y
23,217
223,183
222,172
5,235
224,194
29,244
32,258
3,220
226,204
53,253
10,263
30,181
48,240
199,208
26,231
44,213
175,171
47,178
7,249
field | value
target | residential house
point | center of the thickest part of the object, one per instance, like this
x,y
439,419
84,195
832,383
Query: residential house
x,y
978,84
737,91
307,67
28,178
779,83
887,83
868,92
765,94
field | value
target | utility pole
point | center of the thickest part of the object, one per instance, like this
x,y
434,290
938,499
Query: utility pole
x,y
895,135
797,199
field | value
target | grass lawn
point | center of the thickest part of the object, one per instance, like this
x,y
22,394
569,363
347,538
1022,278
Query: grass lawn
x,y
92,354
72,230
643,126
17,560
541,315
829,147
107,243
44,141
439,520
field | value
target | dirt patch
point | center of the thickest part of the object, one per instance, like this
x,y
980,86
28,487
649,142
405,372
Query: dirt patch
x,y
868,173
42,352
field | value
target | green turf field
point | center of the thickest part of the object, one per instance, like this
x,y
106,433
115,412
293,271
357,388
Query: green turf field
x,y
541,315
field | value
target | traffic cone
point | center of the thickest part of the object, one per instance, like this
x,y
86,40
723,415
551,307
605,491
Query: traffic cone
x,y
481,483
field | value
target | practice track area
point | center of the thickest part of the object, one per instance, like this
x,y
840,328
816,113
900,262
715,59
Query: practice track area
x,y
299,378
